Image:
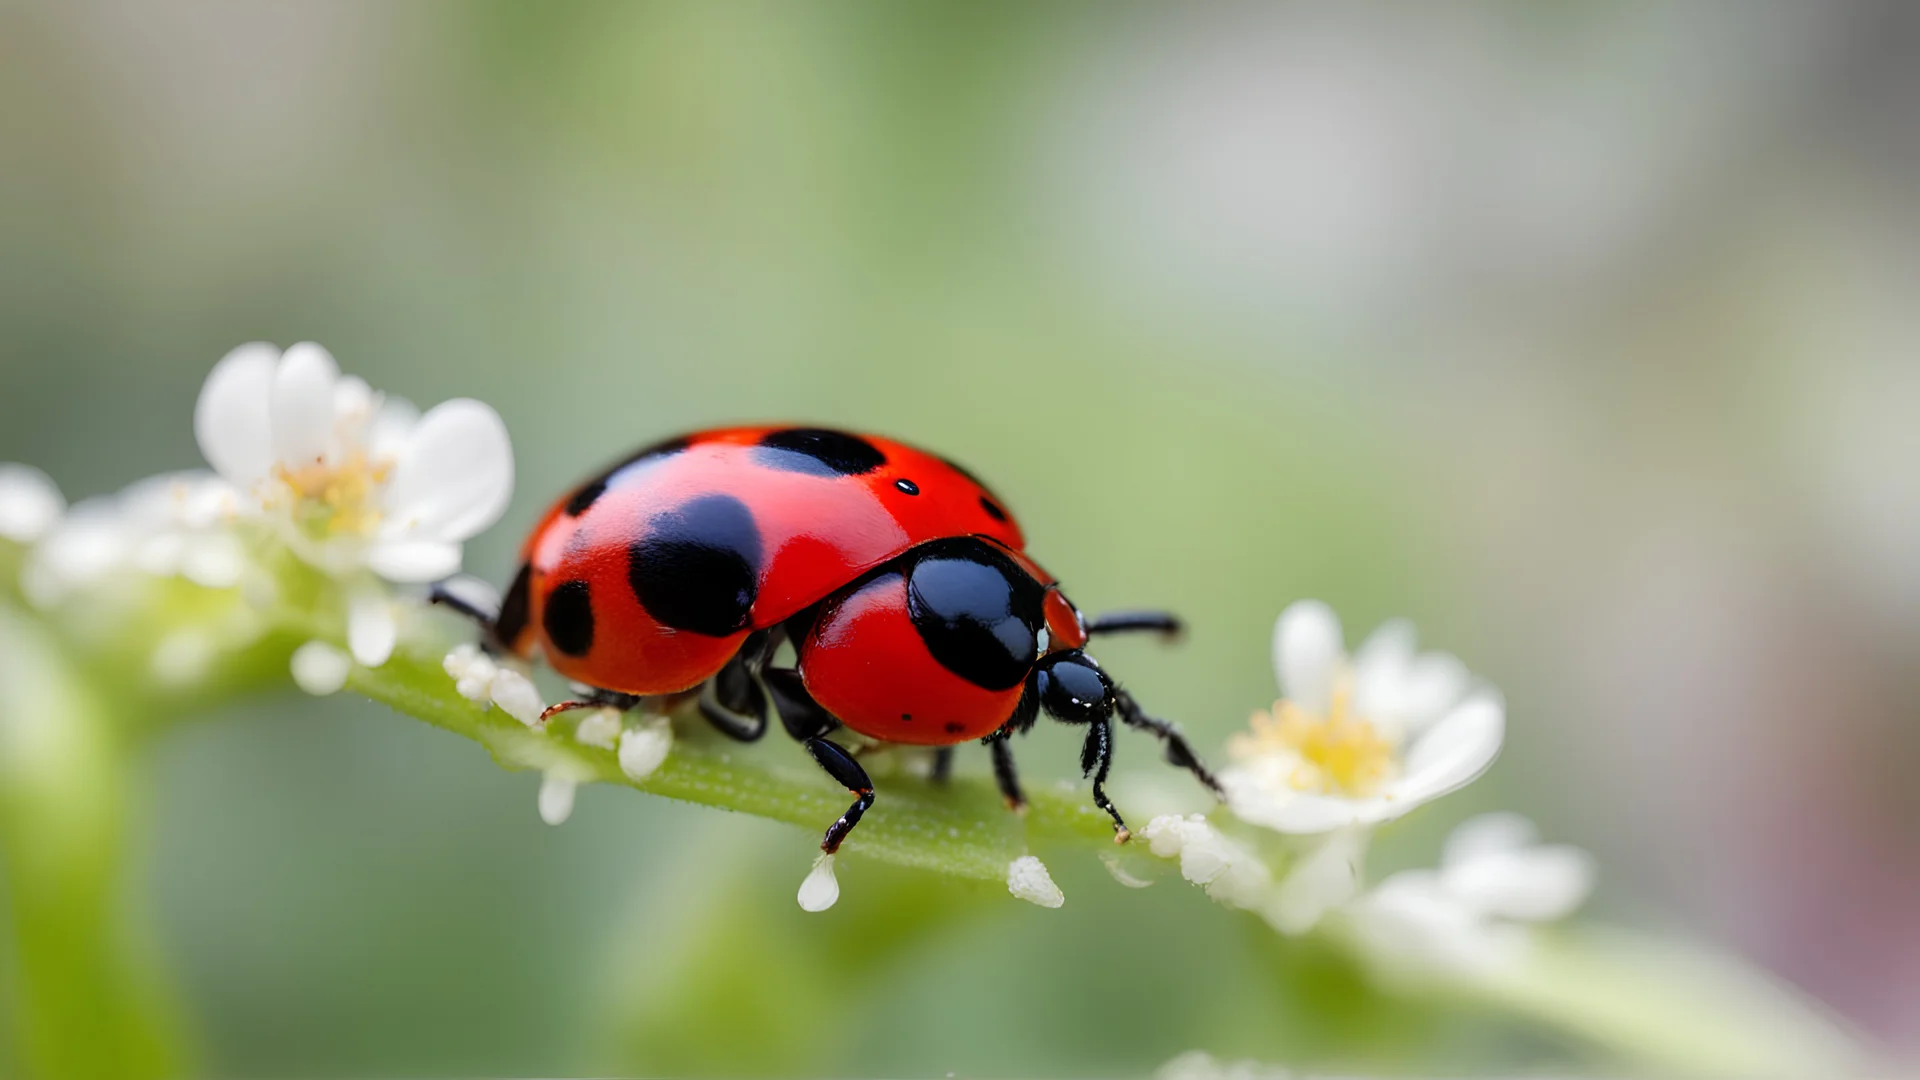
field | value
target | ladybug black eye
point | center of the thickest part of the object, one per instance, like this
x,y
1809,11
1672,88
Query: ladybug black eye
x,y
1073,688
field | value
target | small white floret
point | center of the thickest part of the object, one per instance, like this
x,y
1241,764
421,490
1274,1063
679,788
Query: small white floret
x,y
599,728
472,672
372,628
320,669
516,694
644,749
820,890
556,798
1027,878
30,504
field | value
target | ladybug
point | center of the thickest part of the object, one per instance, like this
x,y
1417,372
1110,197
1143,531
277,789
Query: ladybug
x,y
899,579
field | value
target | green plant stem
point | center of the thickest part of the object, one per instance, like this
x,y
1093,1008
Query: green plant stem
x,y
962,828
1673,1008
87,999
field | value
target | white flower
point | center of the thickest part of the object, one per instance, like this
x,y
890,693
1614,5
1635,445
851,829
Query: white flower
x,y
30,504
169,525
1358,741
820,890
350,479
1027,878
1472,917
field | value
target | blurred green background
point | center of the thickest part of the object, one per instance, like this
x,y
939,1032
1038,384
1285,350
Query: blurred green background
x,y
1582,335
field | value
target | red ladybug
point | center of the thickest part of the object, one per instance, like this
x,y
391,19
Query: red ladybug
x,y
899,579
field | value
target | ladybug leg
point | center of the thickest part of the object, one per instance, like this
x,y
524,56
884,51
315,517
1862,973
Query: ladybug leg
x,y
1024,714
1096,757
1003,771
803,717
498,629
593,698
841,766
1179,752
942,765
461,606
1165,623
732,700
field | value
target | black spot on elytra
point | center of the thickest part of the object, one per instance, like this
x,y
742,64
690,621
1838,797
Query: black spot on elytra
x,y
817,452
596,487
955,727
993,509
907,486
697,568
515,608
568,617
977,611
906,718
584,498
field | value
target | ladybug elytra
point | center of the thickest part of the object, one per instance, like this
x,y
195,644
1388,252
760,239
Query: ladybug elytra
x,y
899,579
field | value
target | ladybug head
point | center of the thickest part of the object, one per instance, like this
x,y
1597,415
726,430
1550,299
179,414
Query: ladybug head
x,y
1072,688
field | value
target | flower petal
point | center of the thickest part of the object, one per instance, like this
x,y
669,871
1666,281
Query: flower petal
x,y
371,626
410,561
30,504
1285,810
1451,753
230,420
1433,684
1487,834
1307,652
392,426
1323,879
454,476
1535,884
354,407
301,411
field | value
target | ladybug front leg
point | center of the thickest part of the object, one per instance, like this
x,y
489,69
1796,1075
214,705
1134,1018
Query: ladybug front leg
x,y
840,765
1178,751
1164,623
1096,757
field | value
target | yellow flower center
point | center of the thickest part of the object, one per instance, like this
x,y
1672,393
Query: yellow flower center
x,y
1337,754
334,500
